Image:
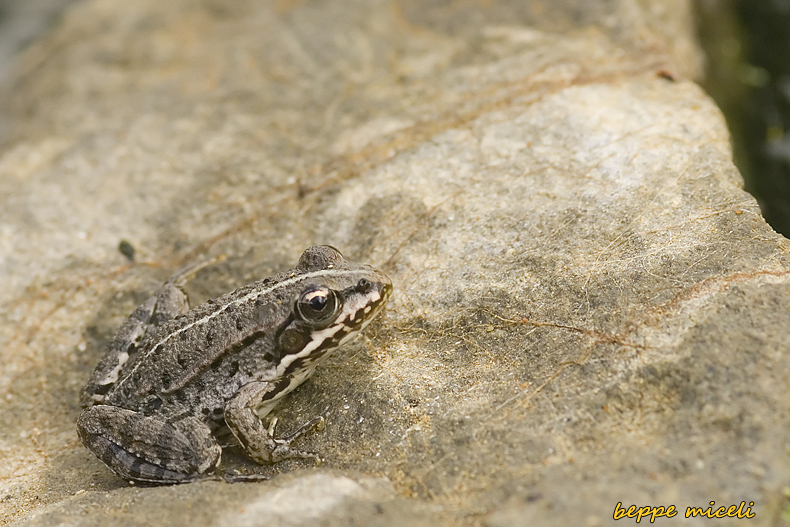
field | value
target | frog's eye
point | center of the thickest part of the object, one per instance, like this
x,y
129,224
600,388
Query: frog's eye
x,y
317,305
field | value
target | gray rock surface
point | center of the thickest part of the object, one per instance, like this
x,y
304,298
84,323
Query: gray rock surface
x,y
20,24
588,308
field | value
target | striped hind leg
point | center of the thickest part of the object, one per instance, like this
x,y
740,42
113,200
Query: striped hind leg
x,y
149,450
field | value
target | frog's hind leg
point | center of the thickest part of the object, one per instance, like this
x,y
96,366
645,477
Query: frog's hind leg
x,y
149,450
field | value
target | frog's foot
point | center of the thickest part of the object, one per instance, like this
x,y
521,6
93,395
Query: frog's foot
x,y
257,441
235,477
283,449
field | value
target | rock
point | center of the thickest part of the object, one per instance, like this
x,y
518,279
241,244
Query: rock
x,y
588,308
307,499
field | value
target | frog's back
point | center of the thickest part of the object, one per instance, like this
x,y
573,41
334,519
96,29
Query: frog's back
x,y
176,353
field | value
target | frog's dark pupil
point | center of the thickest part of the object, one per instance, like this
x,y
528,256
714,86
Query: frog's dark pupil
x,y
316,305
318,302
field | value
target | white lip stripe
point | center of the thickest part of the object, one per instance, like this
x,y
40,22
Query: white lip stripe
x,y
284,283
320,336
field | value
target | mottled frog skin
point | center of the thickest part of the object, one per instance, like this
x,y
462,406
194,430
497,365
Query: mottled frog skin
x,y
174,380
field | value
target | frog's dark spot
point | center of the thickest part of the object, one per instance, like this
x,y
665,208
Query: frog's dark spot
x,y
294,366
210,336
211,301
251,338
100,389
183,335
182,361
218,411
165,381
230,309
234,368
136,376
268,281
281,385
206,411
239,323
154,404
158,349
216,362
258,302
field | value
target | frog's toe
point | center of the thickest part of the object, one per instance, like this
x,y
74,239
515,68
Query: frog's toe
x,y
283,449
317,423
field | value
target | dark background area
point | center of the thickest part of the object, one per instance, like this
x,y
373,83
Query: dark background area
x,y
747,46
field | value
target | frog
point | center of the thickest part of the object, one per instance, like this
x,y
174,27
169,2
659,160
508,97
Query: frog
x,y
177,384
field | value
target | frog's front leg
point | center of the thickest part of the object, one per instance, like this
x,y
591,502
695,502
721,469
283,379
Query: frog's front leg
x,y
243,419
150,450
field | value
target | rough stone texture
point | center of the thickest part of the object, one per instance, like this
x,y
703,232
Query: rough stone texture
x,y
588,308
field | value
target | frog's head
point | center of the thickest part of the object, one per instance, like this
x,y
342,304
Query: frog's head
x,y
336,299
